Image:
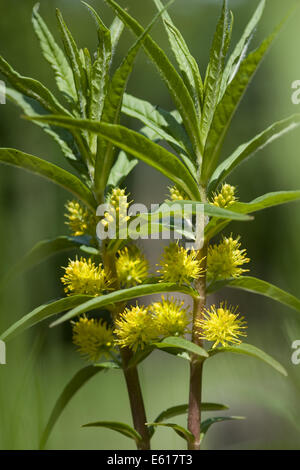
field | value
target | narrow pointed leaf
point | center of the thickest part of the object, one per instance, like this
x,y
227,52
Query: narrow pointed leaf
x,y
116,30
122,428
181,431
54,56
174,344
124,295
258,286
75,384
250,350
50,171
248,149
241,48
174,82
121,169
228,105
138,146
191,208
42,313
183,409
205,425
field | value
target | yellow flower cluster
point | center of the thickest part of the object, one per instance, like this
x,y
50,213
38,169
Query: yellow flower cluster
x,y
118,205
132,267
177,194
84,277
225,260
92,337
179,265
80,220
222,325
226,197
138,326
170,317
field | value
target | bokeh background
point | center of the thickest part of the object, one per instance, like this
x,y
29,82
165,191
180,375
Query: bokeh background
x,y
41,361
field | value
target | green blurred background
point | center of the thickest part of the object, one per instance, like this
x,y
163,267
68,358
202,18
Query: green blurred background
x,y
40,362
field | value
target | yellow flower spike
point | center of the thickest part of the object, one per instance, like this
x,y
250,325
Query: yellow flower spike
x,y
226,197
177,194
225,260
118,208
179,265
135,328
222,325
92,337
170,317
80,220
132,267
84,277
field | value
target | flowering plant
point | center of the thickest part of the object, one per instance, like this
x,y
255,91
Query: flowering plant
x,y
109,272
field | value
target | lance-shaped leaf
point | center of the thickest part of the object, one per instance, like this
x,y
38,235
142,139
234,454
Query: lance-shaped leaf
x,y
123,296
42,251
42,313
79,74
190,207
50,171
250,350
258,286
173,80
186,62
215,69
228,105
241,48
205,425
138,146
112,109
122,428
31,88
116,30
62,137
248,149
54,56
121,169
263,202
75,384
180,430
176,345
163,123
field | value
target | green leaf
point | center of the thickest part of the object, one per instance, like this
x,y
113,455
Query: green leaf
x,y
50,171
121,169
31,88
250,350
42,313
138,146
174,82
42,251
173,344
248,149
241,48
186,62
215,70
124,295
190,207
205,425
160,121
258,286
181,431
79,74
228,105
112,109
183,409
54,56
116,30
75,384
122,428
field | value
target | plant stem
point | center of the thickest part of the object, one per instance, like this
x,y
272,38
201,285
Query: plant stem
x,y
136,400
130,373
196,366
